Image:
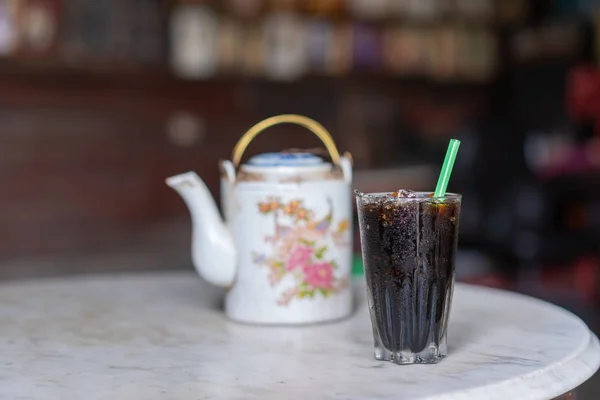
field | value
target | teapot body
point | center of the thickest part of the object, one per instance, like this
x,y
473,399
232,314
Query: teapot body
x,y
292,227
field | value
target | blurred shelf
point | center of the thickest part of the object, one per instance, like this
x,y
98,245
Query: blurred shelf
x,y
14,68
18,71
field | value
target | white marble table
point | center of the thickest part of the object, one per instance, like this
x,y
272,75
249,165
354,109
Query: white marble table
x,y
162,336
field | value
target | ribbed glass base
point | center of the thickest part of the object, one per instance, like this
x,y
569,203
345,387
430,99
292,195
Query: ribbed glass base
x,y
431,355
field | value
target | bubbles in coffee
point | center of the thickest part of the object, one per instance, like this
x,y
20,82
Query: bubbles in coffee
x,y
409,242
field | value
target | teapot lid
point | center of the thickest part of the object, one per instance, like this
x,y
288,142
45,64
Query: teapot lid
x,y
286,160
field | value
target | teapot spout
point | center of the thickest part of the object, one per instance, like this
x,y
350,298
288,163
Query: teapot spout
x,y
213,250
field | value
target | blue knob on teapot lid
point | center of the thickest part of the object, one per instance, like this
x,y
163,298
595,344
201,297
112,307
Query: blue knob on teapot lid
x,y
285,160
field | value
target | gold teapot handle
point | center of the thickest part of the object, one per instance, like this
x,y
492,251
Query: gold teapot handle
x,y
312,125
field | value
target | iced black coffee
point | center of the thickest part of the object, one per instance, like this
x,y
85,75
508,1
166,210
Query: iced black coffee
x,y
409,242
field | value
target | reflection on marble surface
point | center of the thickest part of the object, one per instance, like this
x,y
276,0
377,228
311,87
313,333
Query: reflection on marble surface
x,y
163,335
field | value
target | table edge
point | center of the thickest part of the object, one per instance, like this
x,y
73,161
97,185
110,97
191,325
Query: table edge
x,y
573,373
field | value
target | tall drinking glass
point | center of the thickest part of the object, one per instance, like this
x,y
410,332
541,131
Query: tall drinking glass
x,y
409,241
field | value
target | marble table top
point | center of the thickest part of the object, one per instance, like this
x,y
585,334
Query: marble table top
x,y
163,336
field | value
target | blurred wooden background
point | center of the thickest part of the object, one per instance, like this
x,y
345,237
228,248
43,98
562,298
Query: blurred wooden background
x,y
84,157
94,114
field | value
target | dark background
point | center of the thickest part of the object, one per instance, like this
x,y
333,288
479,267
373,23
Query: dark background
x,y
97,108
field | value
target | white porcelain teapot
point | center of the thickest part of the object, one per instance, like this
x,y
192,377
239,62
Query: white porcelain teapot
x,y
284,251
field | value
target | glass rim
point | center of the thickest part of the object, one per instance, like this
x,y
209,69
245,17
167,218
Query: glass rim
x,y
379,195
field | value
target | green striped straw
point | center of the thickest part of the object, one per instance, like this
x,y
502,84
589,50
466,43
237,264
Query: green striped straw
x,y
442,185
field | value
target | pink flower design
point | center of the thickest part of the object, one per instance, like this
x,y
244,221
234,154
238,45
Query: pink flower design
x,y
319,275
300,257
299,251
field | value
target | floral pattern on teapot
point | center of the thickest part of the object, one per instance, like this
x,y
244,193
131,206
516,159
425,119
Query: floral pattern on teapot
x,y
300,250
